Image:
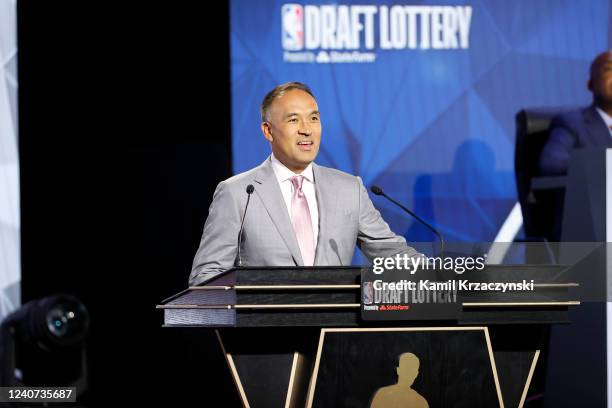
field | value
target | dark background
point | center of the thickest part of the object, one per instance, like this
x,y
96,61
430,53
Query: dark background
x,y
124,125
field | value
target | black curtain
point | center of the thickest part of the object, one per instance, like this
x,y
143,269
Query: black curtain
x,y
124,127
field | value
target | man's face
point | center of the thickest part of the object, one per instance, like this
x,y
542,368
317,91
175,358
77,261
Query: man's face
x,y
601,79
293,128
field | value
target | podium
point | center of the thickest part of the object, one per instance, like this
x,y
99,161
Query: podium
x,y
581,354
294,337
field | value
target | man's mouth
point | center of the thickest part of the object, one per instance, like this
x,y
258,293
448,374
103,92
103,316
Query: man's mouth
x,y
305,145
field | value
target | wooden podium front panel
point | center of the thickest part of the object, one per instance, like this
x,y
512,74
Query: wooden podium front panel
x,y
456,368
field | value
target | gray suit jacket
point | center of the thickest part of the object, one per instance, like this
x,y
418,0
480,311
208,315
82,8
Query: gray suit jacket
x,y
346,217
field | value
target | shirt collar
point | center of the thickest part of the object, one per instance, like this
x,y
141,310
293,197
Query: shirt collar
x,y
283,173
606,118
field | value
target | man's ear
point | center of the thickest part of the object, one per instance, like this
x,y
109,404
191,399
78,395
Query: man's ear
x,y
266,129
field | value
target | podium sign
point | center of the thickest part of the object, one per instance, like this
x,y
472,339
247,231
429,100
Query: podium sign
x,y
401,295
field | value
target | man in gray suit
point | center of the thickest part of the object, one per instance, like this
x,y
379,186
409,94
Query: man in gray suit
x,y
300,213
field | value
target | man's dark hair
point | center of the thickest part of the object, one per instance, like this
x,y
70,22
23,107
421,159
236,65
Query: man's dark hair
x,y
280,91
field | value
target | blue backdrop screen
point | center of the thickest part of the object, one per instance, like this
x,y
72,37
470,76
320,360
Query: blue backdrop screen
x,y
417,97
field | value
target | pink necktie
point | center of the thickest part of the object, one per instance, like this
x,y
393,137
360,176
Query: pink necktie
x,y
302,223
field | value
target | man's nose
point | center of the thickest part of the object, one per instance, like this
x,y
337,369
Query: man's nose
x,y
304,129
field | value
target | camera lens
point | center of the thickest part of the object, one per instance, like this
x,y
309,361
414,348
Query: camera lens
x,y
66,320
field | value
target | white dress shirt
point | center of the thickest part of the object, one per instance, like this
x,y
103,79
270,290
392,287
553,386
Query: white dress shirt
x,y
283,175
606,118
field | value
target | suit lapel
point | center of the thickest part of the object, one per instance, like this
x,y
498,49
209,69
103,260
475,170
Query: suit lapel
x,y
268,191
326,203
596,128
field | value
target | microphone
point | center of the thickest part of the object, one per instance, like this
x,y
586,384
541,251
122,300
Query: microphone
x,y
249,191
378,191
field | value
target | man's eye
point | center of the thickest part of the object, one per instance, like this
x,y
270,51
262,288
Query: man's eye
x,y
292,120
315,118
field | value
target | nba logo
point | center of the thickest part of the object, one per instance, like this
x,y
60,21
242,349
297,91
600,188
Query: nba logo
x,y
368,293
293,27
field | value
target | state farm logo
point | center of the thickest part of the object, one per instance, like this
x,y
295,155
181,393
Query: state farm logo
x,y
293,27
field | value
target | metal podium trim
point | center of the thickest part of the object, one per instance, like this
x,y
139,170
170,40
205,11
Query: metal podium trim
x,y
534,362
234,372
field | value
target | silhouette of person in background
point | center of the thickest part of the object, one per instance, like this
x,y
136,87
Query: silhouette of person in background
x,y
586,127
401,394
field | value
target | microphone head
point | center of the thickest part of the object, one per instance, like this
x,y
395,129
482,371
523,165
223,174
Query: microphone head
x,y
250,189
376,190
